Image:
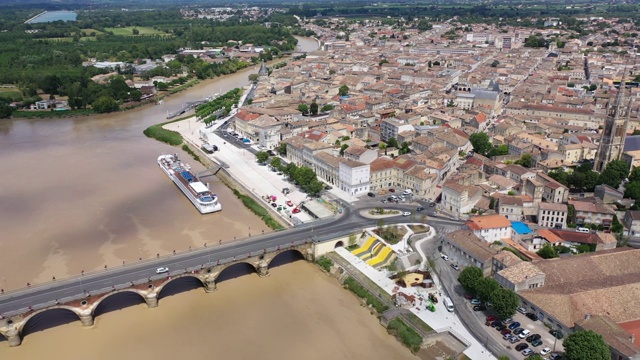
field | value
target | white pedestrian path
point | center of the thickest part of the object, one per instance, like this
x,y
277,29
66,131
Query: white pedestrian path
x,y
440,320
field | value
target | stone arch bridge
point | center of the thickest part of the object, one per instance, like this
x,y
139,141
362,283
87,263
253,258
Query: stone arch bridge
x,y
87,306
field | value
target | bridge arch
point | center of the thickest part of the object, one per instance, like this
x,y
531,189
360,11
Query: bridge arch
x,y
48,318
117,300
178,284
338,244
285,257
236,270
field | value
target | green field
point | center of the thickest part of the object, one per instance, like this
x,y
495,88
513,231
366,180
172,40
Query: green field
x,y
128,31
11,93
89,31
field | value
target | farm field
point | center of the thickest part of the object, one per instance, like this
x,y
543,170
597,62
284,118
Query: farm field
x,y
11,93
128,31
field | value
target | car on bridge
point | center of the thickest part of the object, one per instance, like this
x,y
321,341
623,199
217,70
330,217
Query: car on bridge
x,y
406,213
162,270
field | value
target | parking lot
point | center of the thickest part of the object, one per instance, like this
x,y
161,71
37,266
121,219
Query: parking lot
x,y
520,321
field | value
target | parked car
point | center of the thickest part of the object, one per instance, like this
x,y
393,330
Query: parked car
x,y
406,213
274,205
328,187
522,346
496,323
506,337
555,356
162,270
384,201
536,342
432,204
295,210
371,194
479,308
518,331
521,310
289,203
527,352
532,316
501,327
514,325
524,333
530,338
505,332
476,302
545,351
392,190
455,267
514,339
490,319
419,208
556,333
508,321
444,257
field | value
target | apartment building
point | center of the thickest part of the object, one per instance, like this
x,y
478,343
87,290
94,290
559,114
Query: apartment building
x,y
552,215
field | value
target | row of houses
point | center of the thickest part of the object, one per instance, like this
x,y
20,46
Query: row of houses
x,y
597,290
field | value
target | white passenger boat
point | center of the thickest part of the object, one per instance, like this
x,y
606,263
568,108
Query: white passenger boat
x,y
199,194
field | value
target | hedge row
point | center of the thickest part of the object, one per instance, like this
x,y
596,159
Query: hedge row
x,y
363,293
184,86
190,152
258,210
409,337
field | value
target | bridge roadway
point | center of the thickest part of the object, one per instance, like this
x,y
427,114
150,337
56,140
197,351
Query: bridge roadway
x,y
19,301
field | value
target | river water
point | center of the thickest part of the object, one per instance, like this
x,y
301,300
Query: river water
x,y
78,194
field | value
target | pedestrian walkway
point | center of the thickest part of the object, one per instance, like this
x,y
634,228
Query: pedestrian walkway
x,y
440,320
242,165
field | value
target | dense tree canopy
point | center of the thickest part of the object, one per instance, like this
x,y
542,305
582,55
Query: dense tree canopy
x,y
485,287
50,59
480,142
614,173
505,302
469,278
586,345
499,150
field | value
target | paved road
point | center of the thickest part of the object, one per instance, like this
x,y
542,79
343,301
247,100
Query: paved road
x,y
449,280
46,294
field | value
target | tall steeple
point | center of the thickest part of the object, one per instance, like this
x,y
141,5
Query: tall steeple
x,y
263,73
615,130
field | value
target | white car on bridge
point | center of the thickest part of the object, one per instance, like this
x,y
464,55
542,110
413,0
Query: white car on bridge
x,y
162,270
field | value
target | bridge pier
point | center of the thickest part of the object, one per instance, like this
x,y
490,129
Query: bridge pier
x,y
151,300
308,255
13,337
210,285
263,268
86,319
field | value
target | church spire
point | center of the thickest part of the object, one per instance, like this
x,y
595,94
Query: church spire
x,y
263,72
615,129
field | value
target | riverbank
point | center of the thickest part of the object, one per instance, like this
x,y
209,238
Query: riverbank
x,y
25,114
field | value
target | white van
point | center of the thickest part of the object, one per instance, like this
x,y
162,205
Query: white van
x,y
406,192
448,304
583,230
